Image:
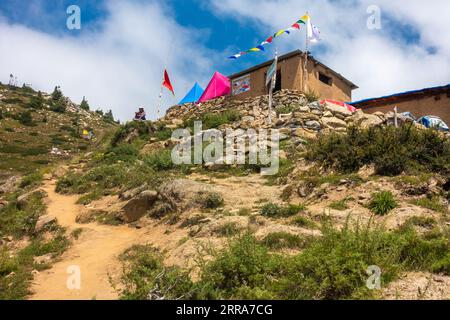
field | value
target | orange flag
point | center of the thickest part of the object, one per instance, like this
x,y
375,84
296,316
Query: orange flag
x,y
167,82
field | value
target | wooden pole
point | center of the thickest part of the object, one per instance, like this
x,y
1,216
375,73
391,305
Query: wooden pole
x,y
396,117
305,68
160,101
272,86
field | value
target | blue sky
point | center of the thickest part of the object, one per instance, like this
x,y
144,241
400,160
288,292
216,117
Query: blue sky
x,y
116,59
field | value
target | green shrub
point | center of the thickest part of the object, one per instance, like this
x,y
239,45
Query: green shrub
x,y
273,210
85,105
215,120
21,222
36,102
382,203
32,179
229,229
424,222
392,150
442,265
340,205
210,200
123,152
26,118
160,160
311,96
142,130
145,277
246,264
304,222
432,203
281,240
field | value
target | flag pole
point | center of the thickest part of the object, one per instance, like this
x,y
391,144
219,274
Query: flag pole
x,y
272,86
305,68
160,101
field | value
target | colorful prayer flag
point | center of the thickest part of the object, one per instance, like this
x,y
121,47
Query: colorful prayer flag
x,y
313,36
167,83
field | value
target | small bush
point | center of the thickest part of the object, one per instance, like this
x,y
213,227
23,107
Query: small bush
x,y
392,150
146,278
433,203
161,160
281,240
382,203
229,229
210,200
124,152
424,222
215,120
33,179
311,96
442,266
36,102
304,222
273,210
339,205
26,118
245,266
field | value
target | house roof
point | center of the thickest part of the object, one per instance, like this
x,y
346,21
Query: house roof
x,y
402,96
288,56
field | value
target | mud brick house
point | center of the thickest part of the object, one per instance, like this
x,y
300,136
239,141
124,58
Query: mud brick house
x,y
429,101
325,82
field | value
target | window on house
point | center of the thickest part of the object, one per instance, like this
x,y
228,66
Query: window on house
x,y
325,79
278,83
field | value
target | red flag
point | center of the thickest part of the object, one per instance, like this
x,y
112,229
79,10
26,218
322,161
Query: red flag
x,y
167,82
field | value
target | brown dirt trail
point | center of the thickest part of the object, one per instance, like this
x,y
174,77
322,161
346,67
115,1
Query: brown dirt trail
x,y
95,253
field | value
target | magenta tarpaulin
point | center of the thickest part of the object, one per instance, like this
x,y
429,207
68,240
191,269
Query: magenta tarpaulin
x,y
218,86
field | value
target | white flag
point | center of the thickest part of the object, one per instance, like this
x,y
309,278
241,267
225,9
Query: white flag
x,y
312,31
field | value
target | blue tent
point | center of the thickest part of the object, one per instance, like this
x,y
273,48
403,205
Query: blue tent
x,y
433,122
193,95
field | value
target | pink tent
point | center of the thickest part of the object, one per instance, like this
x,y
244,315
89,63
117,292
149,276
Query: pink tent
x,y
218,86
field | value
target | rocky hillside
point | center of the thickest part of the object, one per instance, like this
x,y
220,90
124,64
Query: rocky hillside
x,y
352,192
31,125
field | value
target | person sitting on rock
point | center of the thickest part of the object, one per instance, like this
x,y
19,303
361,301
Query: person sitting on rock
x,y
140,115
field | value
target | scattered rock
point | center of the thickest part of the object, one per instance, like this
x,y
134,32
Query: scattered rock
x,y
10,185
333,123
137,207
23,200
43,221
127,195
182,194
43,259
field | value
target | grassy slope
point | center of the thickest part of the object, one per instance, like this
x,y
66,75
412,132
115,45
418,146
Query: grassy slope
x,y
24,148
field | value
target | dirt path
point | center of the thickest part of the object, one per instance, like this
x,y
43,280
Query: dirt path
x,y
95,253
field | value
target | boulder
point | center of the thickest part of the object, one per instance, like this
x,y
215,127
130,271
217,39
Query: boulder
x,y
333,123
371,120
43,259
182,194
43,221
305,116
9,185
137,207
129,194
23,200
338,111
312,124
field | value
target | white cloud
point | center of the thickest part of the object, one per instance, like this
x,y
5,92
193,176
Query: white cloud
x,y
117,65
379,61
